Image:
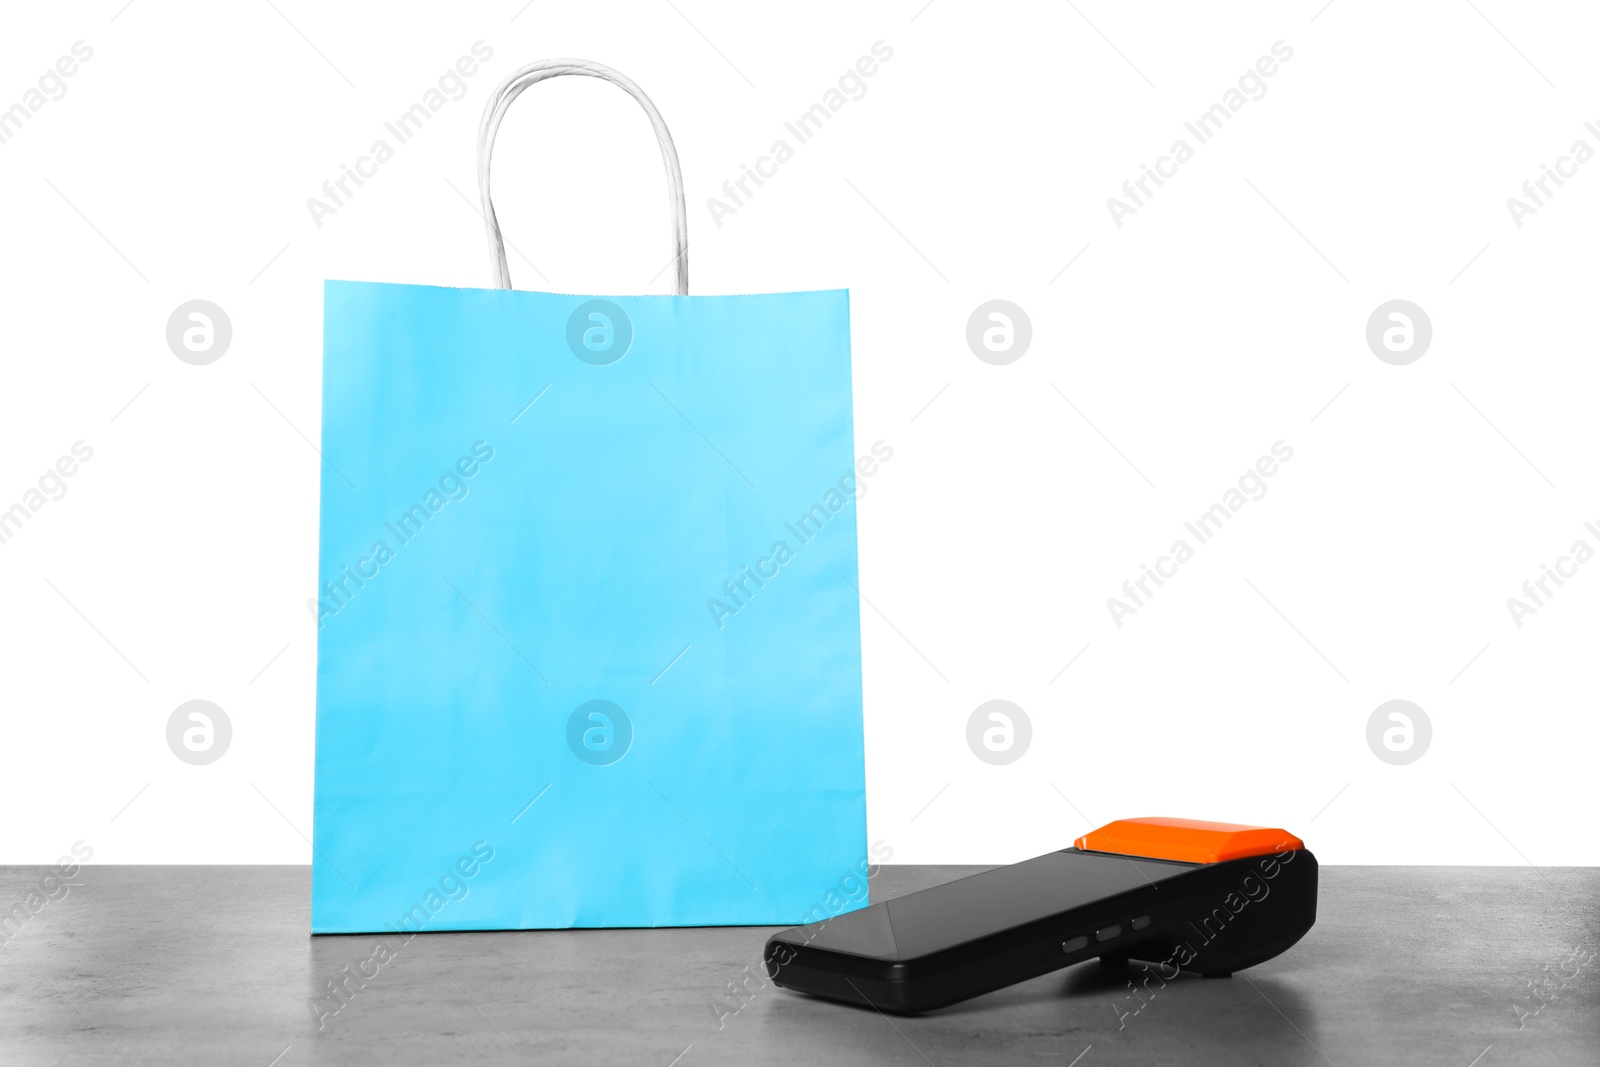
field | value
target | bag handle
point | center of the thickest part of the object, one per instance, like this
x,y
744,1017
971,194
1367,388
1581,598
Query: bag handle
x,y
532,74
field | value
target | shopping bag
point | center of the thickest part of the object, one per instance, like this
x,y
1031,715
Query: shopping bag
x,y
588,626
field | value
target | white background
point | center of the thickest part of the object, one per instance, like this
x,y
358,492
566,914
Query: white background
x,y
1222,317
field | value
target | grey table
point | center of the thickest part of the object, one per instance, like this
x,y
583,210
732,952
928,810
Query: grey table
x,y
213,965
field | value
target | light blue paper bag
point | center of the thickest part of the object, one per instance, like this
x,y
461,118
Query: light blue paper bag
x,y
588,637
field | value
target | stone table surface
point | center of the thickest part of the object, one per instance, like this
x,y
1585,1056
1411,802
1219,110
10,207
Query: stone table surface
x,y
1456,966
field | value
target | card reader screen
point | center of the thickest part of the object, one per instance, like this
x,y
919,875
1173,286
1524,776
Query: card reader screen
x,y
987,903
